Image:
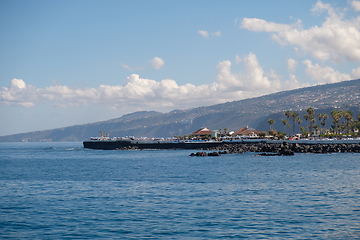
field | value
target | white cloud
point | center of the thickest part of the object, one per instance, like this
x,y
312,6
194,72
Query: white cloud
x,y
355,73
273,74
140,93
157,63
320,7
324,74
136,68
260,25
237,59
292,64
203,33
206,34
356,5
218,34
335,39
17,83
253,81
235,21
123,65
293,83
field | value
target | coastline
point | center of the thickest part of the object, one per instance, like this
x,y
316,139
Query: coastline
x,y
238,146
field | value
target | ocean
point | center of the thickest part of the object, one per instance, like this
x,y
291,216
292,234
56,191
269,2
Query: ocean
x,y
63,191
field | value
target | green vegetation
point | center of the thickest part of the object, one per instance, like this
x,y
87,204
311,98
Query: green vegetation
x,y
273,132
284,121
262,134
344,123
271,123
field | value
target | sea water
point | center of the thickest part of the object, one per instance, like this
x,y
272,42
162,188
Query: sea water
x,y
63,191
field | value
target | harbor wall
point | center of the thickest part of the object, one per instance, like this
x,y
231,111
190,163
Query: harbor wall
x,y
308,146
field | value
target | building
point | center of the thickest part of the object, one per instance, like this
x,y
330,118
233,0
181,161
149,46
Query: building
x,y
201,132
247,131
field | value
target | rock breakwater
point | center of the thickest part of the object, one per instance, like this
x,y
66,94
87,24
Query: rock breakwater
x,y
286,148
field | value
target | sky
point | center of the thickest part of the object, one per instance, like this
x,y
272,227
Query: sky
x,y
64,63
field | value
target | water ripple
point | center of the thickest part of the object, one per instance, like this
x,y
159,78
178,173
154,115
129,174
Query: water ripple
x,y
70,193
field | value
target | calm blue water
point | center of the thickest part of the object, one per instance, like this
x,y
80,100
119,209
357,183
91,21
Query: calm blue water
x,y
60,190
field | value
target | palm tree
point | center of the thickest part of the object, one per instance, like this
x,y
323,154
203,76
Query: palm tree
x,y
306,118
271,122
316,127
225,131
299,121
324,117
289,128
312,121
319,116
302,131
311,113
348,118
220,132
288,114
333,115
284,121
358,116
336,115
294,115
322,123
341,114
333,112
342,128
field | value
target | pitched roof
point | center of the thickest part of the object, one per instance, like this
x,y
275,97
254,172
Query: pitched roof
x,y
246,131
202,131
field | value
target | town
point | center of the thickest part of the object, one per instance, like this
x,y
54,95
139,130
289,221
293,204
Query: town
x,y
344,127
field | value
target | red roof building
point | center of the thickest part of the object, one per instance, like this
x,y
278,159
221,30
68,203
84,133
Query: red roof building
x,y
202,132
246,132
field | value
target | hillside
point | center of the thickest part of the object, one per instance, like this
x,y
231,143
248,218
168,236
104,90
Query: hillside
x,y
231,115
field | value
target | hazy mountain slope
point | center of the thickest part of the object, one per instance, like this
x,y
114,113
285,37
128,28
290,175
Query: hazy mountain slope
x,y
230,115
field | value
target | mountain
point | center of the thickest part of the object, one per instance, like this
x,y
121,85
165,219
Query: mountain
x,y
231,115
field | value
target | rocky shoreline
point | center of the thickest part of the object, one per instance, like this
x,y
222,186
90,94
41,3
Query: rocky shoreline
x,y
280,149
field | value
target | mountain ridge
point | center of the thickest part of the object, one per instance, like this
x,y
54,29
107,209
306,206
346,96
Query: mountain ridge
x,y
231,115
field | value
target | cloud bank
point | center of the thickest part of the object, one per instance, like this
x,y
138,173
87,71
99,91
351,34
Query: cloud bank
x,y
327,74
143,93
292,64
356,5
336,39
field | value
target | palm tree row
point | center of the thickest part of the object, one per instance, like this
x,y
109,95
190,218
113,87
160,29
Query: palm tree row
x,y
348,125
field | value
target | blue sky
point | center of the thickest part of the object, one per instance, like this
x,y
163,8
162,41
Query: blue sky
x,y
73,62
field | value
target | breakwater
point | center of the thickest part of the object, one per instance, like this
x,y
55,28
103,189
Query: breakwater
x,y
228,147
134,145
281,148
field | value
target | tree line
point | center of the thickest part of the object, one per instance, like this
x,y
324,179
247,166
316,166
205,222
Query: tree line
x,y
347,126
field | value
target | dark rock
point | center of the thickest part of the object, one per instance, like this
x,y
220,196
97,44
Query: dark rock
x,y
224,152
199,154
214,154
